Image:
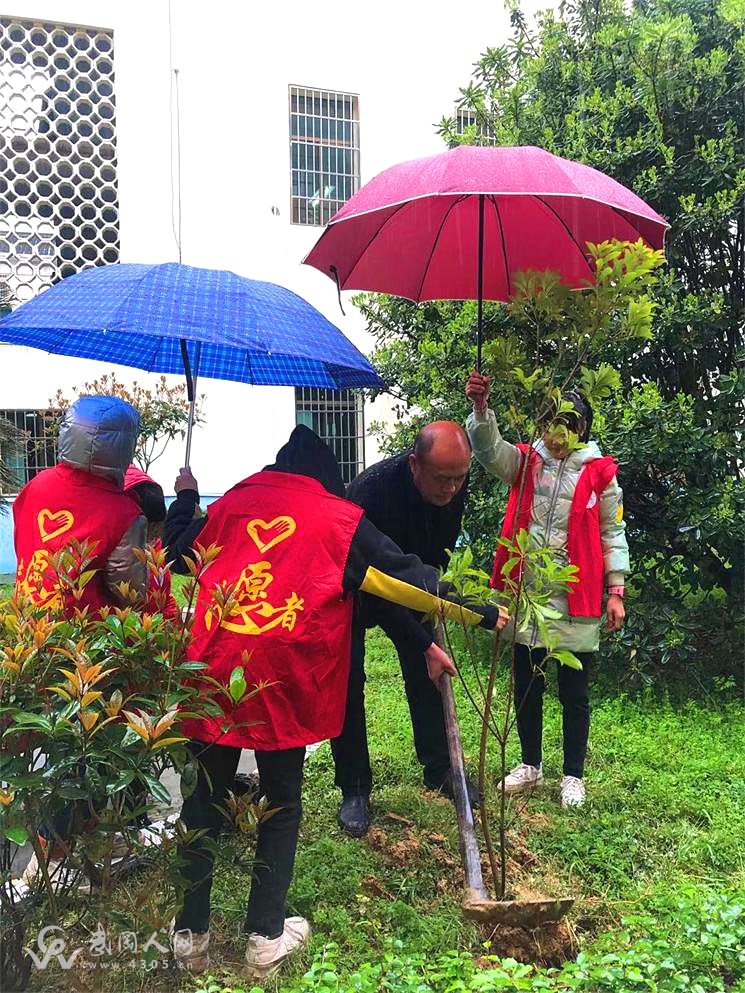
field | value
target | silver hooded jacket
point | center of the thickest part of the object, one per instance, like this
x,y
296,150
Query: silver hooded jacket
x,y
98,435
549,520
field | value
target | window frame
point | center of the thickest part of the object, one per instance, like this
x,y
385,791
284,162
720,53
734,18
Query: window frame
x,y
320,402
321,143
60,120
466,118
37,447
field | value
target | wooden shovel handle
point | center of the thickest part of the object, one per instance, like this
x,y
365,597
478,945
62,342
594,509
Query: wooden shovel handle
x,y
469,849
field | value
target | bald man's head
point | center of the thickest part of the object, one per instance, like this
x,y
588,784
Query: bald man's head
x,y
440,461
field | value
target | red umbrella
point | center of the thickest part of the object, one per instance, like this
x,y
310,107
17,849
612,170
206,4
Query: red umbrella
x,y
459,225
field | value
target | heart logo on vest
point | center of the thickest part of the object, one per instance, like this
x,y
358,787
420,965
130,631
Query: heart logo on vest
x,y
54,523
267,534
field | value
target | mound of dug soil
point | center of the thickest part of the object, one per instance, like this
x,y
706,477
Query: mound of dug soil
x,y
401,846
549,945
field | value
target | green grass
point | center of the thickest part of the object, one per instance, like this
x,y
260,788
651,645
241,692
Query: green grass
x,y
177,585
665,817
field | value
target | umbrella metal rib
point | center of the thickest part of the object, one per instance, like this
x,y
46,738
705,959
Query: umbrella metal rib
x,y
480,283
370,242
569,232
443,222
508,280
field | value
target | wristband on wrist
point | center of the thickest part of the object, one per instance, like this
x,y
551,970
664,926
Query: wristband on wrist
x,y
615,591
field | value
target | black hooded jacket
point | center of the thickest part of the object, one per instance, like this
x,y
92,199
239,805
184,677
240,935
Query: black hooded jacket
x,y
306,455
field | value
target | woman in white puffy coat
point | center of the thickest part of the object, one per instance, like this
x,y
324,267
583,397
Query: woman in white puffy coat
x,y
557,478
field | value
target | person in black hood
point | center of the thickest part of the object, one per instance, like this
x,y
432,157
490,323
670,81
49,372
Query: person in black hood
x,y
306,455
291,611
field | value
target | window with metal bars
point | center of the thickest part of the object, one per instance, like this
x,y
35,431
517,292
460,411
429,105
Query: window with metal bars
x,y
32,449
465,119
324,152
336,416
59,206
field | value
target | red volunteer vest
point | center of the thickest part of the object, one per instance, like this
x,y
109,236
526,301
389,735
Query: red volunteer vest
x,y
285,542
584,546
60,505
158,598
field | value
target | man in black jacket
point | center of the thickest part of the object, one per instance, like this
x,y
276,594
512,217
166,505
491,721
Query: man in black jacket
x,y
417,500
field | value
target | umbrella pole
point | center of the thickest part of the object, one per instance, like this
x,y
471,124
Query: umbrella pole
x,y
189,427
479,328
191,384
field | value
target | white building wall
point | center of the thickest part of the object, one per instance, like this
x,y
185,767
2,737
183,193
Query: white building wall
x,y
406,61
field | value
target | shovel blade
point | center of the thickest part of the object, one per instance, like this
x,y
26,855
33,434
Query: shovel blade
x,y
526,914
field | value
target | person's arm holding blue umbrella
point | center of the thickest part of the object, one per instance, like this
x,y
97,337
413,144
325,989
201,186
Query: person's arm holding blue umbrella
x,y
182,528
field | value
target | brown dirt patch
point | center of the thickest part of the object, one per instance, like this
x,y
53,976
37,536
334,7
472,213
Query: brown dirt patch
x,y
398,848
536,819
398,853
444,858
437,839
372,886
549,945
518,851
401,847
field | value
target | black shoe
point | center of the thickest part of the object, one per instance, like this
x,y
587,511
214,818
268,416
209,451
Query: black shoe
x,y
445,786
354,815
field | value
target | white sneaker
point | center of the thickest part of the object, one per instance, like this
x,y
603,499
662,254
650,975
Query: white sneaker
x,y
159,831
523,778
191,950
265,956
572,792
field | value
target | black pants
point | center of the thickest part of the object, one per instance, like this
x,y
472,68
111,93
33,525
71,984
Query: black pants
x,y
350,750
575,704
280,780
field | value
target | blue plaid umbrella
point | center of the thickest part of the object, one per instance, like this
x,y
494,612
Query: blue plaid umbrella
x,y
174,318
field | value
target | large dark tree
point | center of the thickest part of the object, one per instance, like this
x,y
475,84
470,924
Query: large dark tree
x,y
651,93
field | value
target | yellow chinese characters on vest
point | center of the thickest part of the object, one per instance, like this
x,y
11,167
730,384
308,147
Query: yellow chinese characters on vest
x,y
37,581
247,609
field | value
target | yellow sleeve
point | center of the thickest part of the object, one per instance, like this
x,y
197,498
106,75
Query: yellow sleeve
x,y
397,591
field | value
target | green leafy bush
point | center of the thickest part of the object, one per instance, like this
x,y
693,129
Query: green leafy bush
x,y
91,705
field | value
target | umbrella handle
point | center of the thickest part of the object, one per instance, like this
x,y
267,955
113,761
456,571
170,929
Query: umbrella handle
x,y
189,427
191,383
